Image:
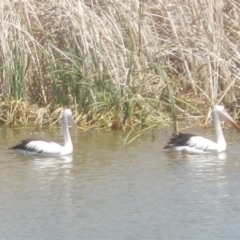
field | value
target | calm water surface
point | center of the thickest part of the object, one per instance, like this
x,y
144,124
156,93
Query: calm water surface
x,y
110,191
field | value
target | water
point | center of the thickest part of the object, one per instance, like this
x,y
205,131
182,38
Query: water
x,y
110,191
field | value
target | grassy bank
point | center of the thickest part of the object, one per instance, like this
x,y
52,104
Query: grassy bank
x,y
111,61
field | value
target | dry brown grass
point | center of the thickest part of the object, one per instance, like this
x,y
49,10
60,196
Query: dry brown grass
x,y
71,52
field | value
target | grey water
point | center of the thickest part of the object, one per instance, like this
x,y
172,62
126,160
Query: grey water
x,y
106,190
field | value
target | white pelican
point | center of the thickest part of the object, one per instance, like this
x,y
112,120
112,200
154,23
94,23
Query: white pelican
x,y
190,143
47,148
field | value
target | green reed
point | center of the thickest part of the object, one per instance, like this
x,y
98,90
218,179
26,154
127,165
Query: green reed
x,y
100,59
17,69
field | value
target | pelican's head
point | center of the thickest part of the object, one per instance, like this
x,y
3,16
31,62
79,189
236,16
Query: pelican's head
x,y
224,116
67,116
218,108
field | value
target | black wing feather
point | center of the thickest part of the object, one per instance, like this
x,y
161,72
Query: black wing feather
x,y
180,139
22,145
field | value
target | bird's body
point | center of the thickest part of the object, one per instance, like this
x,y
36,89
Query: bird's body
x,y
190,143
48,148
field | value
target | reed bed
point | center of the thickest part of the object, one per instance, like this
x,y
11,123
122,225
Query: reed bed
x,y
113,62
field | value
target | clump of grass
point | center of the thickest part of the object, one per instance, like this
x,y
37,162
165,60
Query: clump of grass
x,y
100,58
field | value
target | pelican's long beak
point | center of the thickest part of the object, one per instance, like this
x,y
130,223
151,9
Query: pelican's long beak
x,y
227,118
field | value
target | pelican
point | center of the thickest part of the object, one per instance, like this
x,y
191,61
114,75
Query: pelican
x,y
47,148
190,143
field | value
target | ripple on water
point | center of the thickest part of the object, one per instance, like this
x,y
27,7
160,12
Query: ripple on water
x,y
110,191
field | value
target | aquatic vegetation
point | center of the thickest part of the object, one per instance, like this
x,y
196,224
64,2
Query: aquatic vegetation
x,y
129,65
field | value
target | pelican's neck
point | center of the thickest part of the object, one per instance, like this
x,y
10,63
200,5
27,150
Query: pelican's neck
x,y
218,130
66,134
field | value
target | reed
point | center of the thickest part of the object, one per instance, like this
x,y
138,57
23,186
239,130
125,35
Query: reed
x,y
100,58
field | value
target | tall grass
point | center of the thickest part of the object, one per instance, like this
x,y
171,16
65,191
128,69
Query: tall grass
x,y
100,58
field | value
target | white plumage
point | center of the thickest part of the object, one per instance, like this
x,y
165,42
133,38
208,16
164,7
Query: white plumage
x,y
47,148
190,143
